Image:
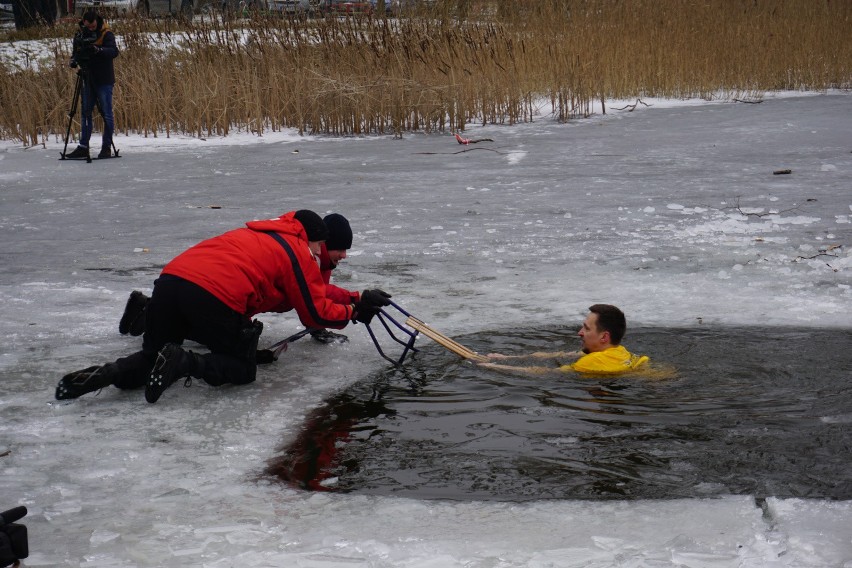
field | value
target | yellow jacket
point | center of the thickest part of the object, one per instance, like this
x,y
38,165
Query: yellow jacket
x,y
609,361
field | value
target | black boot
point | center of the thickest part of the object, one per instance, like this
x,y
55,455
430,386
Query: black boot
x,y
133,319
173,362
106,152
84,381
79,153
326,336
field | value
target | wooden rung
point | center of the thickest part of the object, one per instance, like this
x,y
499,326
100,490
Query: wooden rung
x,y
443,340
439,337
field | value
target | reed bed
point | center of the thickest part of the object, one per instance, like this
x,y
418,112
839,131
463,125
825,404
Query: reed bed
x,y
461,62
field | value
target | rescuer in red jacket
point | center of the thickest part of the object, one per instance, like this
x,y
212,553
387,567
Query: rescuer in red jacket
x,y
332,252
209,294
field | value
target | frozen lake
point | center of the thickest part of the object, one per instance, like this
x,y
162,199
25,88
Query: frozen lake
x,y
672,212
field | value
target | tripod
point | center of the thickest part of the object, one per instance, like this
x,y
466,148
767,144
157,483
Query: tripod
x,y
75,101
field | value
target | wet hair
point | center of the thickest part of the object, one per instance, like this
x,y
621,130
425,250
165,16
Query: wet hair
x,y
610,319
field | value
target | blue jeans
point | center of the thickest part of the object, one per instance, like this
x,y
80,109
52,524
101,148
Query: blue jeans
x,y
103,95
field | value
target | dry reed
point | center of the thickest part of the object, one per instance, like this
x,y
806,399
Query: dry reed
x,y
465,61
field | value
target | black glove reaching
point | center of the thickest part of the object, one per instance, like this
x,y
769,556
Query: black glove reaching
x,y
364,312
375,298
369,305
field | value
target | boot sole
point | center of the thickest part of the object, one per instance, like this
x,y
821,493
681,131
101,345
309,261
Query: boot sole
x,y
133,311
160,378
82,382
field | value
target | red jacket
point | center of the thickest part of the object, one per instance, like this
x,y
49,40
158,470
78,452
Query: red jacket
x,y
251,272
337,294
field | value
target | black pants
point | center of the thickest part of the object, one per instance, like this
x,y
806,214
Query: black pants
x,y
181,310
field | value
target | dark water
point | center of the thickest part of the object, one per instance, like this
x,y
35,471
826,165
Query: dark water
x,y
763,412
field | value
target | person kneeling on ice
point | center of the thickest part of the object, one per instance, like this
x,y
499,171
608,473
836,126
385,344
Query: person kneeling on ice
x,y
602,352
332,251
210,292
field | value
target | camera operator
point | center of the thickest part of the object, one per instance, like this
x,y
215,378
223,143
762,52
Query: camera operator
x,y
93,51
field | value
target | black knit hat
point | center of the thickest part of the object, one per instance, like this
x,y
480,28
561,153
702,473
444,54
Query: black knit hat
x,y
314,227
339,232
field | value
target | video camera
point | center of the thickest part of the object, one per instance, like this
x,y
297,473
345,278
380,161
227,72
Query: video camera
x,y
84,46
13,537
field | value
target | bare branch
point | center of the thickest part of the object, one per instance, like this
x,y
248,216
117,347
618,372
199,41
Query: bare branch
x,y
761,215
824,252
634,105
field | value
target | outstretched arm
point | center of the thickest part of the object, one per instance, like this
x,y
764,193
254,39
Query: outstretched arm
x,y
513,369
537,355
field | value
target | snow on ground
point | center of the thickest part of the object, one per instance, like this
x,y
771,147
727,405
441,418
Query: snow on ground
x,y
672,212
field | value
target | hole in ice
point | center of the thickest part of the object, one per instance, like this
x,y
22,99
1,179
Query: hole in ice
x,y
757,411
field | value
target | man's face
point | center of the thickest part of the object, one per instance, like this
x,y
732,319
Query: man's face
x,y
592,340
92,26
336,255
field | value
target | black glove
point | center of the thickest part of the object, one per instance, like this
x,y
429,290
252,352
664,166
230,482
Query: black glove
x,y
72,64
364,312
375,298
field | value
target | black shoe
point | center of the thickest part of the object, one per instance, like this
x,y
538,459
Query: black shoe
x,y
326,336
133,319
81,382
172,363
79,153
106,152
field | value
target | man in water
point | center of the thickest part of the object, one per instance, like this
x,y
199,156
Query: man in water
x,y
602,352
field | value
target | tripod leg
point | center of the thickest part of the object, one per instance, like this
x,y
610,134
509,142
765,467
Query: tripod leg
x,y
74,102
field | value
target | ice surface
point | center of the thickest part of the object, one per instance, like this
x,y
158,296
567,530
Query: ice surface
x,y
671,211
